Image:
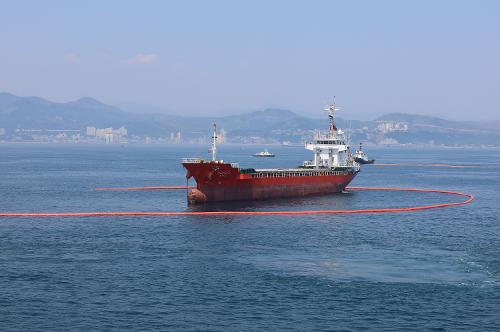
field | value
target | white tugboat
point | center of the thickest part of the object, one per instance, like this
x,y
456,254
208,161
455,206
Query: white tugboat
x,y
361,157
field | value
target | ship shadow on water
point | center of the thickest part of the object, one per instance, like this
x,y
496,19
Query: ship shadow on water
x,y
310,202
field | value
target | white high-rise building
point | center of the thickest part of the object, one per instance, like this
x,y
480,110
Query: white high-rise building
x,y
91,131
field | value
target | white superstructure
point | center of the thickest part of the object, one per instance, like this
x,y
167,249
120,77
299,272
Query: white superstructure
x,y
331,149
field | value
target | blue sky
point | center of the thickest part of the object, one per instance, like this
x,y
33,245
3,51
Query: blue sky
x,y
221,57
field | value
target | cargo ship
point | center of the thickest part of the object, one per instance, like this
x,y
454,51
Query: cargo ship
x,y
330,170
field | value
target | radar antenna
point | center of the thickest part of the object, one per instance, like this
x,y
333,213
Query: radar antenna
x,y
331,109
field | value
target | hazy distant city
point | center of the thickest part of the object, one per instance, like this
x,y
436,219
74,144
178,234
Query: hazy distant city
x,y
34,119
120,135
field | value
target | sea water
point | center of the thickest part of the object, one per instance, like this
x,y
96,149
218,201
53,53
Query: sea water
x,y
435,269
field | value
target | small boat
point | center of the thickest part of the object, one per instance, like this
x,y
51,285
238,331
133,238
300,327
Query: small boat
x,y
264,153
361,157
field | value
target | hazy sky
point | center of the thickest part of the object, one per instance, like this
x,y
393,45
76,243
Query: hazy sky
x,y
213,57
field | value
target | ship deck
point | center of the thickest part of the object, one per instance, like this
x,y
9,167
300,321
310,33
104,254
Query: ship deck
x,y
293,172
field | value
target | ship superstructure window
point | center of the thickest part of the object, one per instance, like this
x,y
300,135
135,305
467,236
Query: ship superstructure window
x,y
330,142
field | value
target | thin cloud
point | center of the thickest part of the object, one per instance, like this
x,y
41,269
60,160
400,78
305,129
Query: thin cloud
x,y
143,59
72,57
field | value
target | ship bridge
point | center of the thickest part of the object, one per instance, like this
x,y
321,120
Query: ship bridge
x,y
330,149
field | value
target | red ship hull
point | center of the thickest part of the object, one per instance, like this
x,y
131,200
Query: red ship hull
x,y
223,182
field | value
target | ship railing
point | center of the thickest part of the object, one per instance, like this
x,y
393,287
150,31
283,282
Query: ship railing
x,y
192,160
235,165
270,174
308,163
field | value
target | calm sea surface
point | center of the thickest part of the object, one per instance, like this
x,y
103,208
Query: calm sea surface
x,y
435,269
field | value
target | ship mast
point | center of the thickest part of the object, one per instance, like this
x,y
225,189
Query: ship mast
x,y
331,109
214,144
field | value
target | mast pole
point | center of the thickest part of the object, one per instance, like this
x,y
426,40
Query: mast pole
x,y
214,144
332,114
331,109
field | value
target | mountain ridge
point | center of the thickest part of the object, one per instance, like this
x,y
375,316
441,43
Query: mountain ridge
x,y
270,124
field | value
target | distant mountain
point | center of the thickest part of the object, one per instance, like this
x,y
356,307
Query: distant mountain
x,y
424,129
270,125
139,108
494,125
37,113
33,112
429,121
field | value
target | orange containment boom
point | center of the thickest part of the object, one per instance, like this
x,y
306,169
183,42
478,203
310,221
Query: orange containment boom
x,y
428,165
469,198
146,188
